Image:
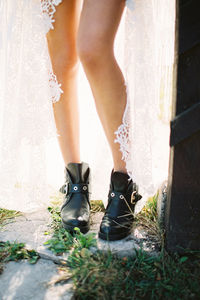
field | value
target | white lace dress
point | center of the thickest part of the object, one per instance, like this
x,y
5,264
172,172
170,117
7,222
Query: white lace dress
x,y
30,161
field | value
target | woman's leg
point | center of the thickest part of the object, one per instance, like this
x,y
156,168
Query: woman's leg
x,y
75,211
62,48
98,25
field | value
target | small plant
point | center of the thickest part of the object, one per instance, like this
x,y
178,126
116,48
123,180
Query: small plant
x,y
13,251
104,276
97,206
16,251
62,241
147,218
6,214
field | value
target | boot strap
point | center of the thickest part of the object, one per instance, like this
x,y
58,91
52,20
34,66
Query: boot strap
x,y
134,196
76,188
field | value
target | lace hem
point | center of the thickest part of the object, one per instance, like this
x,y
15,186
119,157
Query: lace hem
x,y
148,68
48,9
55,87
123,136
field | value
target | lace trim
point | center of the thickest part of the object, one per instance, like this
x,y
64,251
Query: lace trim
x,y
48,9
123,136
124,130
55,87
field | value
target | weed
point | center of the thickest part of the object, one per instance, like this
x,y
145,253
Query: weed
x,y
6,214
62,241
97,206
104,276
13,251
148,220
56,199
16,251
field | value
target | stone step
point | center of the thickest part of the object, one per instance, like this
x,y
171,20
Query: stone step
x,y
30,228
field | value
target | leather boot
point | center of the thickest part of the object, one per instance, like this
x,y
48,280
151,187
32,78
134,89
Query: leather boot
x,y
75,211
118,219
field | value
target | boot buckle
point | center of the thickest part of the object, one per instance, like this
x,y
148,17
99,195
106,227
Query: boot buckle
x,y
133,197
66,188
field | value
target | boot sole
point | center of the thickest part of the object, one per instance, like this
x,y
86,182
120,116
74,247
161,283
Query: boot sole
x,y
70,228
113,237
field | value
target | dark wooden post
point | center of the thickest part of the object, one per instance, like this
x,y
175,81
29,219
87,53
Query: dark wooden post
x,y
182,211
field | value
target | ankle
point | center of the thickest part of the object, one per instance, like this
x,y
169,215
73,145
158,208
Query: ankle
x,y
73,161
120,170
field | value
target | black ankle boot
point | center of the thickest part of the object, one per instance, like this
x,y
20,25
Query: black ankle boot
x,y
75,212
118,219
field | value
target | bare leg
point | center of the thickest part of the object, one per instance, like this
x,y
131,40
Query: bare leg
x,y
98,25
62,47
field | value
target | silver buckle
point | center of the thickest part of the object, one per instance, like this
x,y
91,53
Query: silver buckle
x,y
133,198
66,187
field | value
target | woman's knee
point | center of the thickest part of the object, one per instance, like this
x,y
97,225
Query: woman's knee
x,y
65,61
63,53
93,49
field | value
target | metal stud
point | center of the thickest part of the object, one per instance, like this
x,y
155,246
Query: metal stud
x,y
112,194
121,197
75,188
85,188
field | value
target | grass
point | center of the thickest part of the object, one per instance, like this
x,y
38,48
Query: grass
x,y
105,276
147,219
98,275
97,206
6,215
62,241
15,252
141,277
